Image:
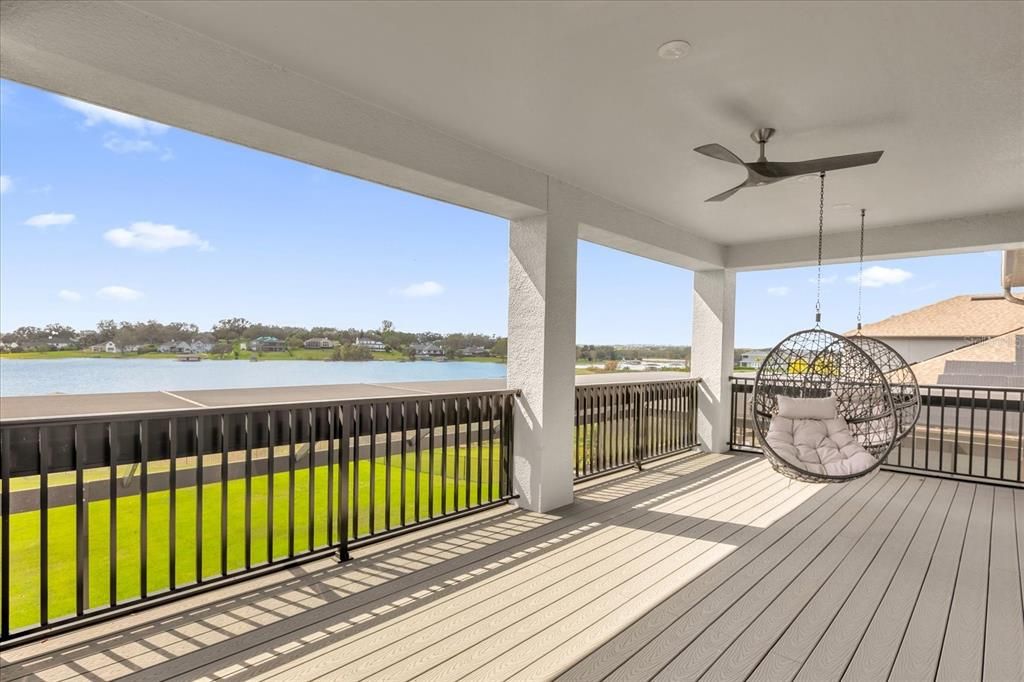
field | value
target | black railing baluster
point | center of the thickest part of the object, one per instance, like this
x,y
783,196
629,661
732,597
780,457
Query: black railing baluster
x,y
344,496
356,460
491,492
332,434
388,500
988,426
403,455
44,526
6,453
469,447
432,424
311,482
199,498
373,468
271,443
224,472
114,451
144,507
81,527
249,427
1002,441
457,417
419,455
292,429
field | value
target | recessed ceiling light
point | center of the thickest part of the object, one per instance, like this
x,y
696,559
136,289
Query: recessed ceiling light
x,y
674,49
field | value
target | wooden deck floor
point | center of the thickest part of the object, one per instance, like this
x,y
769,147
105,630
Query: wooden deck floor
x,y
710,567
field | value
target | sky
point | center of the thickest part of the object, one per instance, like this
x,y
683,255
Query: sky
x,y
107,216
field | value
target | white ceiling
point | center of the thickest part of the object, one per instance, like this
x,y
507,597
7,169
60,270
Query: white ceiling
x,y
576,90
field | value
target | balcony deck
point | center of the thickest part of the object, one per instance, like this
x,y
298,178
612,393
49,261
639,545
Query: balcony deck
x,y
709,566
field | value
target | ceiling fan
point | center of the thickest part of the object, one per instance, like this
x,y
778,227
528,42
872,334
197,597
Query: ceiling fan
x,y
765,172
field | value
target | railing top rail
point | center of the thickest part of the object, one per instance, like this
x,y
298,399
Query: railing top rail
x,y
184,412
943,387
641,382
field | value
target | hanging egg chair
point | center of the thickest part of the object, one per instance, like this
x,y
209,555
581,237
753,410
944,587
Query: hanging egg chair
x,y
830,408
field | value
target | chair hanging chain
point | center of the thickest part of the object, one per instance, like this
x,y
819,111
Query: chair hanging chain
x,y
821,236
860,272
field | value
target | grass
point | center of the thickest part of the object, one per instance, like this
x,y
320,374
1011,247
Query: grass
x,y
25,526
294,354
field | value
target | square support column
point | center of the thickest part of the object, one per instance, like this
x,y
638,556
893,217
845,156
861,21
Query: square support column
x,y
714,333
542,355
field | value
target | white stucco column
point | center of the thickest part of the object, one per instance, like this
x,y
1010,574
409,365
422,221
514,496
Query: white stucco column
x,y
542,354
714,331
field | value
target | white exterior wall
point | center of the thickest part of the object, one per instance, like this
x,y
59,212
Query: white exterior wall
x,y
918,349
714,330
542,355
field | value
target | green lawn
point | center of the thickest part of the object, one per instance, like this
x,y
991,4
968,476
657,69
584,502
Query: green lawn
x,y
25,538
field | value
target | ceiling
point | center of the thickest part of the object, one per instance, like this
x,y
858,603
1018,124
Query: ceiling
x,y
576,90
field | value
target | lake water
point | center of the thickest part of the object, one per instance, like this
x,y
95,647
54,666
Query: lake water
x,y
90,375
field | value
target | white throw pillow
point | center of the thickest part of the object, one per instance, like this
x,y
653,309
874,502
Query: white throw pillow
x,y
807,408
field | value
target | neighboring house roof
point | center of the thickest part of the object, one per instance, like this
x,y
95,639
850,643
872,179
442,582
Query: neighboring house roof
x,y
1002,349
957,317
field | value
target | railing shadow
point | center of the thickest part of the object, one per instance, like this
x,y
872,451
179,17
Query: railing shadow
x,y
315,606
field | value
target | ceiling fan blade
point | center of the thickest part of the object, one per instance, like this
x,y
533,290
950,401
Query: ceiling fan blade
x,y
727,193
788,169
717,151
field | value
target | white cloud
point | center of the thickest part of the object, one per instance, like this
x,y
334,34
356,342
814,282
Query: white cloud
x,y
879,276
120,293
123,145
44,220
146,236
120,145
5,183
95,115
422,289
69,295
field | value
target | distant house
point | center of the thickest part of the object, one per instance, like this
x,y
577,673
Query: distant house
x,y
60,344
752,359
945,326
371,344
131,348
473,351
243,346
198,346
322,342
267,344
176,347
428,349
108,347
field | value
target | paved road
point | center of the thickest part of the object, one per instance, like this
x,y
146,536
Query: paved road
x,y
35,407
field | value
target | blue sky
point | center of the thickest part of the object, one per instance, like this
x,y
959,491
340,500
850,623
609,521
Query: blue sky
x,y
104,215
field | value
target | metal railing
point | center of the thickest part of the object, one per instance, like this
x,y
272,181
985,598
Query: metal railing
x,y
109,513
623,425
964,432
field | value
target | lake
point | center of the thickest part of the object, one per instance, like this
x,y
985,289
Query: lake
x,y
91,375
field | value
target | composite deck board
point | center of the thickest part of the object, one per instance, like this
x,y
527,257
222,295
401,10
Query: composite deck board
x,y
695,639
963,649
702,567
882,581
859,573
1004,629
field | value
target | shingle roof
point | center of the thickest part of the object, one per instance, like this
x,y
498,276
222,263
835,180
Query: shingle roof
x,y
957,317
999,349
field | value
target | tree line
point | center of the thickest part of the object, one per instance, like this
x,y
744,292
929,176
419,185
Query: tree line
x,y
230,332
